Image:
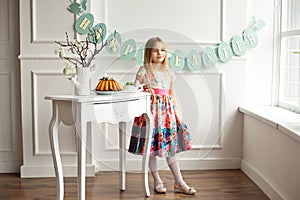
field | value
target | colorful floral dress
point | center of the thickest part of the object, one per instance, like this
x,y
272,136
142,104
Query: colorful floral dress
x,y
170,134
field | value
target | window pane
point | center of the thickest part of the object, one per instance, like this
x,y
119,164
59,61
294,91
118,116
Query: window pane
x,y
290,71
290,15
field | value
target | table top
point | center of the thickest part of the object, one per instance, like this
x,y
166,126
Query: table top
x,y
116,96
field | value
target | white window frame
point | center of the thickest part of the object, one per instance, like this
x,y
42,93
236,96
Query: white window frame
x,y
279,35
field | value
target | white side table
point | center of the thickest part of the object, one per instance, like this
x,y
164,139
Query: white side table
x,y
79,110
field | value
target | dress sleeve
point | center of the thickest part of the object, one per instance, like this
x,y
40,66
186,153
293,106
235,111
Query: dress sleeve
x,y
140,75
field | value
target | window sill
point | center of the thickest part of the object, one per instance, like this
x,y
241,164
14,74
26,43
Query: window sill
x,y
286,121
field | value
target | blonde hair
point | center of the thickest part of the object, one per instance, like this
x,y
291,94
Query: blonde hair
x,y
149,48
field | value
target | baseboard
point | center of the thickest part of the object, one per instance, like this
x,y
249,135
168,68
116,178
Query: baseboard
x,y
10,166
48,171
260,181
185,164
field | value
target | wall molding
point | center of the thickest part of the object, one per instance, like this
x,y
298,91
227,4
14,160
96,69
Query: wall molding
x,y
48,171
34,38
185,164
34,75
107,146
10,166
104,9
199,42
218,142
10,89
55,57
34,34
9,28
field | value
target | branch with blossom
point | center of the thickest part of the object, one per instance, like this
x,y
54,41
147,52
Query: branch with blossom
x,y
84,50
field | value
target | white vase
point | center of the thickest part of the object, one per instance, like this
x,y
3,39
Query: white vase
x,y
82,84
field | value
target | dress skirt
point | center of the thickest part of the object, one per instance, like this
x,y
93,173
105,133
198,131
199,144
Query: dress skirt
x,y
170,134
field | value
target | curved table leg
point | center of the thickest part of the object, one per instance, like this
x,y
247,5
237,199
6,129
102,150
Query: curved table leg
x,y
53,136
145,162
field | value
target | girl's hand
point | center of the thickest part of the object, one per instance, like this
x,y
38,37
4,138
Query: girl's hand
x,y
151,91
147,90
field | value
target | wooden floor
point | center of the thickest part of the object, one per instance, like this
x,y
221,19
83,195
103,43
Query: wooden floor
x,y
210,185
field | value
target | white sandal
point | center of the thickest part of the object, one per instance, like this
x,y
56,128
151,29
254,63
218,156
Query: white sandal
x,y
180,188
160,188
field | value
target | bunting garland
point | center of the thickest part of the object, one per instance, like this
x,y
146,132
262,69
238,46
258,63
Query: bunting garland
x,y
128,50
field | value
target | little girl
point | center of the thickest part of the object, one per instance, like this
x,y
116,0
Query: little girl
x,y
170,135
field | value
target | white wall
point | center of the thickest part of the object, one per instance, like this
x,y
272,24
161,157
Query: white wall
x,y
10,124
260,60
41,74
207,23
271,159
270,156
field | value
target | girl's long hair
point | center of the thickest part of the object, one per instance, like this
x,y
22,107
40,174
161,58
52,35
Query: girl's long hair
x,y
149,47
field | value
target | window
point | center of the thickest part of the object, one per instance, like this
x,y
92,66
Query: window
x,y
289,64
